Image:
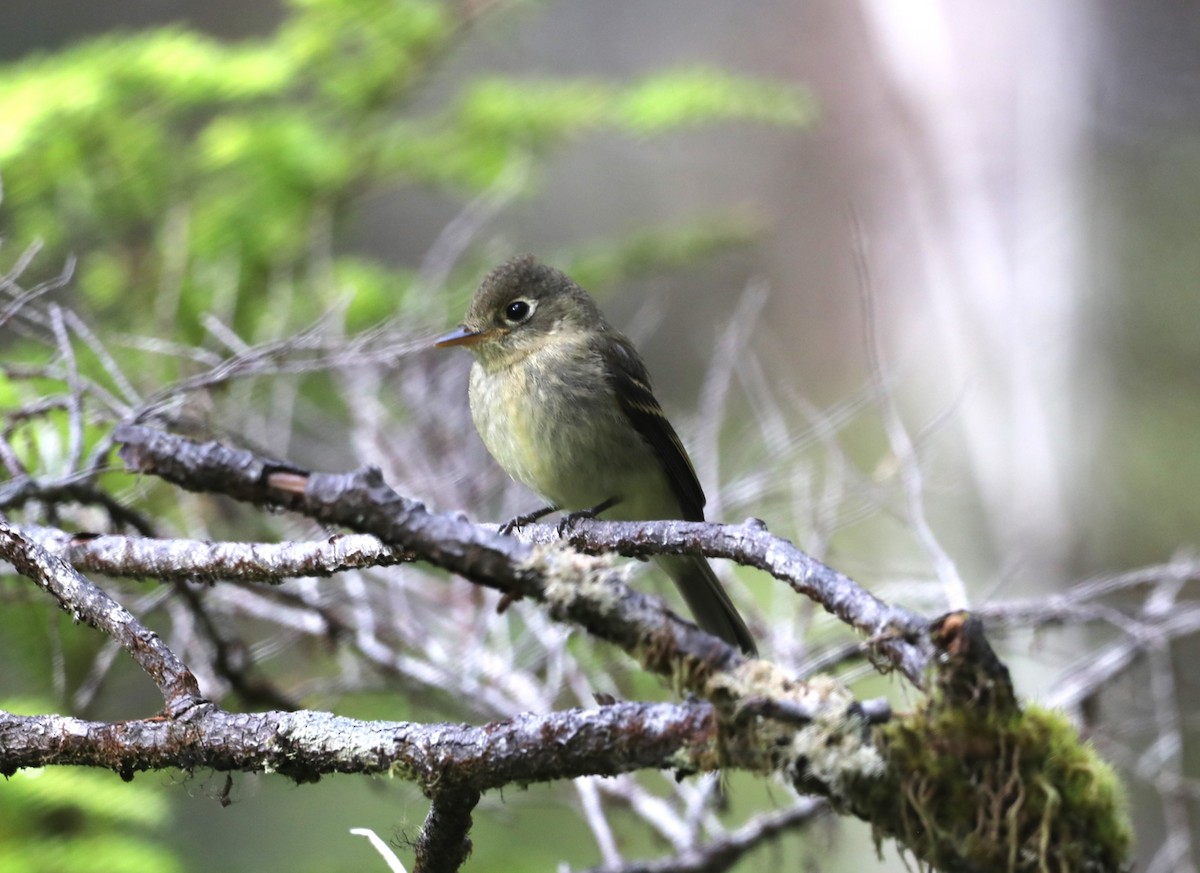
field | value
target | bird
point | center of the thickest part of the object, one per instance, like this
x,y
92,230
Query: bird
x,y
563,402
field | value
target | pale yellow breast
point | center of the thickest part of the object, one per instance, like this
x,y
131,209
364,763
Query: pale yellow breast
x,y
550,420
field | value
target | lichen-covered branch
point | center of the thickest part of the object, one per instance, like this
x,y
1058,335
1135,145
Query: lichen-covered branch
x,y
308,745
619,738
363,502
895,632
203,561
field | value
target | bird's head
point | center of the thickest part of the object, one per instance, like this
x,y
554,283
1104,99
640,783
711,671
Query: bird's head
x,y
521,306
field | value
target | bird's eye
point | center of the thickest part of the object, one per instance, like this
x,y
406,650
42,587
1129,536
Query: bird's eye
x,y
517,311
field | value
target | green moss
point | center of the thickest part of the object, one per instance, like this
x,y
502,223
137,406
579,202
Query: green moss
x,y
1011,792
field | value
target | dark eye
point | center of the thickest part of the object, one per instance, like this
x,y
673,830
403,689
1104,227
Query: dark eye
x,y
517,311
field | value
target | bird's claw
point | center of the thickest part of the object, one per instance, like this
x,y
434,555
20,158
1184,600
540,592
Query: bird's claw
x,y
519,521
568,521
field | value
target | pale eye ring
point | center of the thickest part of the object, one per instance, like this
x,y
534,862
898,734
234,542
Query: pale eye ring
x,y
518,311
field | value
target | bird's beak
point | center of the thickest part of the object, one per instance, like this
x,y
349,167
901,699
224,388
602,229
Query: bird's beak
x,y
460,336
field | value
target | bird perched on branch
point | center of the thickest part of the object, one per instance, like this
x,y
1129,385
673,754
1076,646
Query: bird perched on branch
x,y
563,403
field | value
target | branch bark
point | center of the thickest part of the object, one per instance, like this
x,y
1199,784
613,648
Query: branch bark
x,y
445,841
364,503
308,745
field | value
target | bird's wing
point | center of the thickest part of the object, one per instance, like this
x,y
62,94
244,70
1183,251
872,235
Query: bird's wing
x,y
631,384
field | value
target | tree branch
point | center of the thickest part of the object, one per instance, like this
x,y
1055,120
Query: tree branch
x,y
203,561
86,602
445,842
895,632
363,502
757,717
306,745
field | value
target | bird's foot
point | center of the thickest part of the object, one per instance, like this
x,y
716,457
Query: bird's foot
x,y
519,521
568,521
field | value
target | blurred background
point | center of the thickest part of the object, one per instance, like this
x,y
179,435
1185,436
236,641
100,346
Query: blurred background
x,y
917,283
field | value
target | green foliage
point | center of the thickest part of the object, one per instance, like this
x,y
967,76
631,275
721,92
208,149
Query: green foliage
x,y
94,143
597,266
168,155
365,54
539,112
378,290
57,819
701,96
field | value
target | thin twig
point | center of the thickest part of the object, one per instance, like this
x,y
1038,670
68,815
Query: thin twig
x,y
74,390
911,476
721,854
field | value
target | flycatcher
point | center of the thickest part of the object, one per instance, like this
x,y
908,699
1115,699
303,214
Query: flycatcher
x,y
563,403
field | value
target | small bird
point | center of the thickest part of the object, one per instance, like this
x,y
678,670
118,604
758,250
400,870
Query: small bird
x,y
563,403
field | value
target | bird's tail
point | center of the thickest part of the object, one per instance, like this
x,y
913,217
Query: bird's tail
x,y
706,598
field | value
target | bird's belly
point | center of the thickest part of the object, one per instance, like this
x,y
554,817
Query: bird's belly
x,y
574,448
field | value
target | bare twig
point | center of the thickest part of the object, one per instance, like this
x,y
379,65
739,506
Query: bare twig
x,y
84,332
912,478
721,854
23,297
74,390
230,659
77,488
